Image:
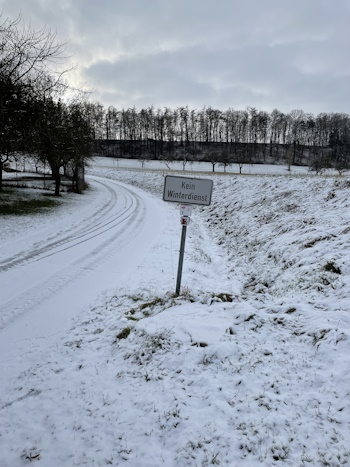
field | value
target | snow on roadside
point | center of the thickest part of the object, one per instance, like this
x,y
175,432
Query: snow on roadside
x,y
249,366
21,233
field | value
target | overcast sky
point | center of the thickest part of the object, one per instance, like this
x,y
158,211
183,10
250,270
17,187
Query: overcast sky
x,y
284,54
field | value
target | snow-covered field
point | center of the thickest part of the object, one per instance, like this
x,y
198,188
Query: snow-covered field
x,y
249,366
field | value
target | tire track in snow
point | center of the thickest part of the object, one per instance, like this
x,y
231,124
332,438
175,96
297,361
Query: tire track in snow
x,y
84,232
115,233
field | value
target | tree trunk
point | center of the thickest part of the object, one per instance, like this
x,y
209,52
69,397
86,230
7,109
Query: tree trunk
x,y
1,167
57,177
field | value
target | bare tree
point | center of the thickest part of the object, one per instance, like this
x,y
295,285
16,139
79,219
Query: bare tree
x,y
29,67
213,156
225,159
29,55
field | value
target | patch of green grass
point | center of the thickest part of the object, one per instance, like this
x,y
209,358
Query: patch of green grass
x,y
153,303
331,267
135,298
124,333
291,310
220,297
17,203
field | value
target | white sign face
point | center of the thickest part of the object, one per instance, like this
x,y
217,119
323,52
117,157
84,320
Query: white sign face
x,y
185,210
188,190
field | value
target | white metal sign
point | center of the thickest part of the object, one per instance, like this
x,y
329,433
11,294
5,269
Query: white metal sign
x,y
185,210
188,190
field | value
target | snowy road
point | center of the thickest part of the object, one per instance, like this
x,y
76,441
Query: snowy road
x,y
52,272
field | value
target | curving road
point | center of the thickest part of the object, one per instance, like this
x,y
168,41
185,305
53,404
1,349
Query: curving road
x,y
45,285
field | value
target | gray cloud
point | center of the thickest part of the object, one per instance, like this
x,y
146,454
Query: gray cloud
x,y
270,54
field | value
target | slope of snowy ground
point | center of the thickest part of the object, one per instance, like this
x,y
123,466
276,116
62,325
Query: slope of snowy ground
x,y
249,366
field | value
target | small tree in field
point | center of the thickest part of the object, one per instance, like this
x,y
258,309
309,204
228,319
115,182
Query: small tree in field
x,y
319,162
225,159
144,157
241,157
289,157
213,156
182,155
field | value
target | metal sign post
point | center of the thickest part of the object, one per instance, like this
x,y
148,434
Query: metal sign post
x,y
184,221
186,190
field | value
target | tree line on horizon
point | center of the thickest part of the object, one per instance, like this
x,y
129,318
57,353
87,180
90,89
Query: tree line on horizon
x,y
249,135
